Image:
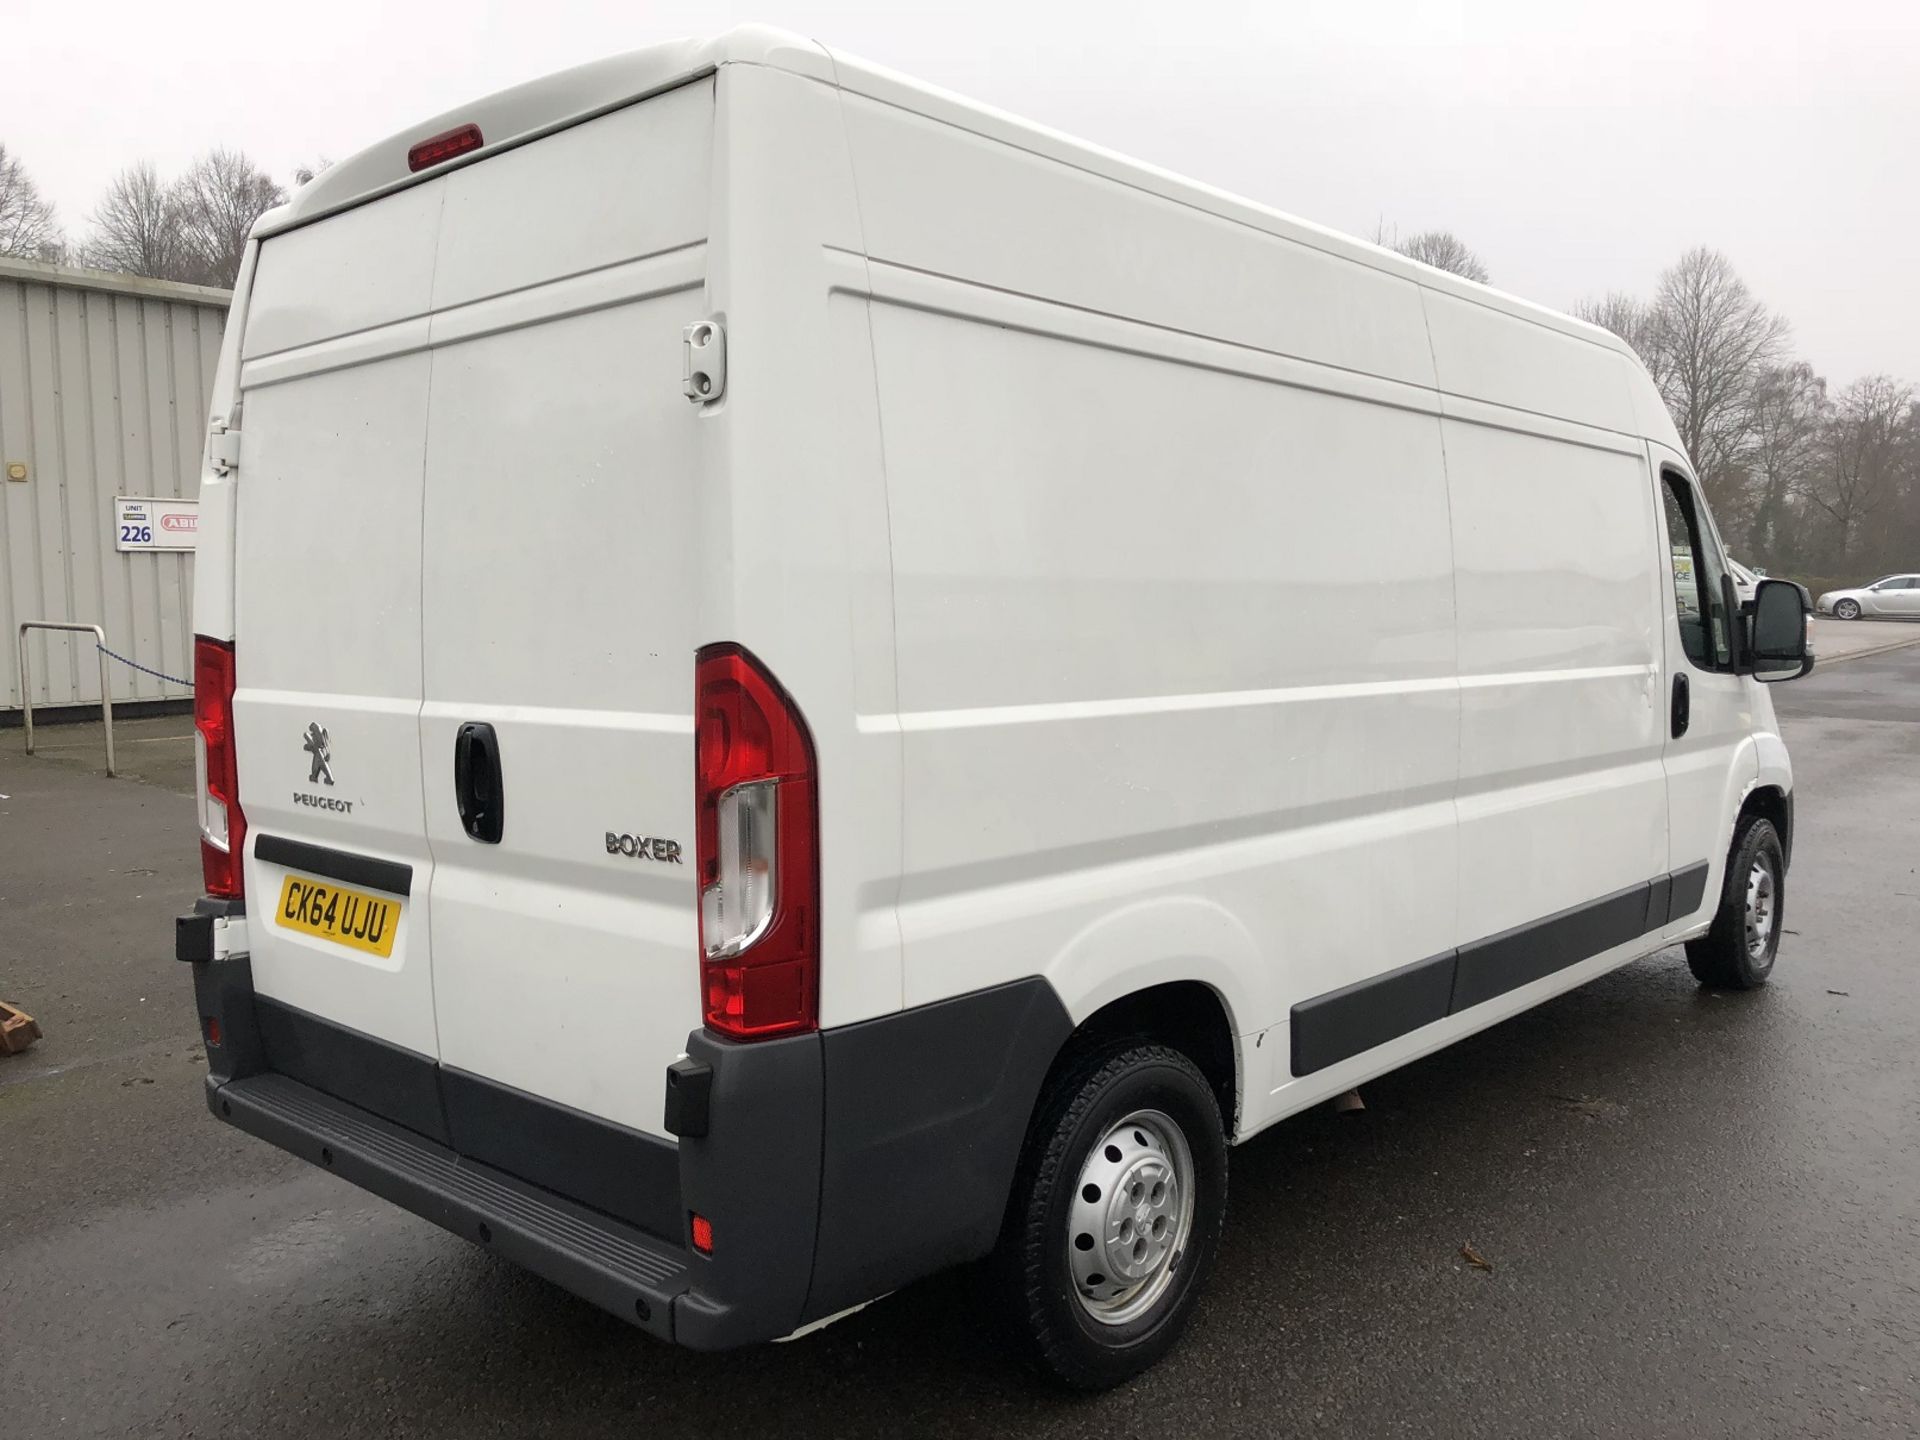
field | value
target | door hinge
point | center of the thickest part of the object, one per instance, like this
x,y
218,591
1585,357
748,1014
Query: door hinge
x,y
704,346
223,448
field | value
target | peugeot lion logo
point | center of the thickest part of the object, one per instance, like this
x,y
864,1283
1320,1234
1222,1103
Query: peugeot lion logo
x,y
316,745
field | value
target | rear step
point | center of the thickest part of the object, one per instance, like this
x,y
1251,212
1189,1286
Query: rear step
x,y
623,1270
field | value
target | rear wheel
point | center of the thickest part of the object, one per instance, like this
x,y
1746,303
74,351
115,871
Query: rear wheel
x,y
1115,1214
1738,952
1847,609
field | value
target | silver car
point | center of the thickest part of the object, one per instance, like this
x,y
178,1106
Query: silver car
x,y
1889,595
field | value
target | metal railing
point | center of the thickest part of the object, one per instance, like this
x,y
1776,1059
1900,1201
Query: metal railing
x,y
26,678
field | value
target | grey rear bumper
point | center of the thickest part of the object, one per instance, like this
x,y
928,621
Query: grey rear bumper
x,y
833,1166
618,1267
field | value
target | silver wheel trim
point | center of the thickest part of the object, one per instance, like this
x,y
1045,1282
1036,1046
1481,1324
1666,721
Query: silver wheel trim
x,y
1847,609
1762,908
1138,1221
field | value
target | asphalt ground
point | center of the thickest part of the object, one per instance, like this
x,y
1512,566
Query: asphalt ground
x,y
1843,639
1702,1211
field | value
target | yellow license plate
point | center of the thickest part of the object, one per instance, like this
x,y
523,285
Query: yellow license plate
x,y
333,912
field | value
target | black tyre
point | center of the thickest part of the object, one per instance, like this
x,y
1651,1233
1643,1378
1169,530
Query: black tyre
x,y
1115,1214
1738,952
1847,609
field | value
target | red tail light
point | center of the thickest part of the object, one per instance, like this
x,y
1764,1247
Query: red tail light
x,y
444,146
223,829
758,843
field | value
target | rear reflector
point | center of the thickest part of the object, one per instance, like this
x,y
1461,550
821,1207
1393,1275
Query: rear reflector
x,y
436,148
757,834
703,1234
223,828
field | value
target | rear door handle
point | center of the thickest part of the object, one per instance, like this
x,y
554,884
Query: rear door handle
x,y
1682,706
476,782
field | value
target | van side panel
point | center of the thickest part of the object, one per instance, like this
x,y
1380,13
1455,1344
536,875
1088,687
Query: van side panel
x,y
795,519
1145,656
1562,791
1480,353
1174,613
958,204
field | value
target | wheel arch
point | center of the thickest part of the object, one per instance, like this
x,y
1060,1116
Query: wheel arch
x,y
928,1110
1187,1015
1773,803
1178,969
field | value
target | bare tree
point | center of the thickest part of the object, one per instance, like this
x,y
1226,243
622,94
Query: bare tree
x,y
1441,249
1444,250
1863,452
1713,341
29,230
218,200
137,227
1629,318
1790,404
192,229
1904,536
1815,484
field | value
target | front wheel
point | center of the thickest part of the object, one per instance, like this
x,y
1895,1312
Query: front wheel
x,y
1115,1214
1847,609
1738,952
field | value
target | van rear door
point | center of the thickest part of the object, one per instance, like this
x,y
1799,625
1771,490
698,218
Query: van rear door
x,y
333,417
560,594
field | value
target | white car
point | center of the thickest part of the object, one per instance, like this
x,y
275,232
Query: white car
x,y
1889,595
792,691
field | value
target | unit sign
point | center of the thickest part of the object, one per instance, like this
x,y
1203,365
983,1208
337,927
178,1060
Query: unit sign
x,y
145,523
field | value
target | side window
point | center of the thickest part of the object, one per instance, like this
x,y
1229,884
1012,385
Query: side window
x,y
1697,568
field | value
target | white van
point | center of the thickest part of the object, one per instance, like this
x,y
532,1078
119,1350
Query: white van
x,y
800,682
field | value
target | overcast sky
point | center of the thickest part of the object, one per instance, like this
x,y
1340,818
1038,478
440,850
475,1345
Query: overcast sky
x,y
1576,147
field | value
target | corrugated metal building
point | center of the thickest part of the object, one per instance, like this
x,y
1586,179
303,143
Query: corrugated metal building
x,y
104,383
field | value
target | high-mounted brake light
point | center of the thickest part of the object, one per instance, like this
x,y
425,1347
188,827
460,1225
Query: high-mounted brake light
x,y
223,828
436,148
758,844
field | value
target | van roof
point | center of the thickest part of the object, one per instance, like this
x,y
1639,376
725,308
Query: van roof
x,y
539,107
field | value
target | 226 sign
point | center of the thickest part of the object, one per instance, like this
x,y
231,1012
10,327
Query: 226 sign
x,y
150,523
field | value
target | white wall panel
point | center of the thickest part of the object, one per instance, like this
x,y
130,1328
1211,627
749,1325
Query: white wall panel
x,y
104,384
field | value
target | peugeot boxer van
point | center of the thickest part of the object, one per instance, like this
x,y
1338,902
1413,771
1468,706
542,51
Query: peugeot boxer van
x,y
799,682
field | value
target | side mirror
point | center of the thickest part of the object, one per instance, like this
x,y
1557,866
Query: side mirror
x,y
1777,632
